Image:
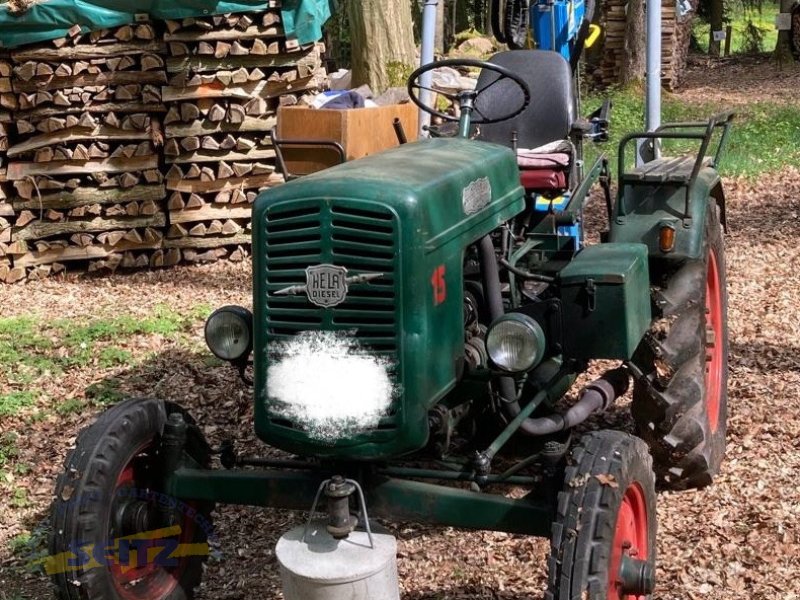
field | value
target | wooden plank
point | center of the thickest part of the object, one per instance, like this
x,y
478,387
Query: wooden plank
x,y
101,79
32,259
20,170
263,89
88,51
89,196
108,107
42,229
256,124
252,32
305,62
208,242
200,156
240,183
74,134
209,212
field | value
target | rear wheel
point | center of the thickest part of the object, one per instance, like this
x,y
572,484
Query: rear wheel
x,y
115,534
680,408
603,542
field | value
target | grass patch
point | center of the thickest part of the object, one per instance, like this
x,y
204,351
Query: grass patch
x,y
753,30
14,402
20,498
8,448
765,136
104,392
113,356
69,407
31,349
19,543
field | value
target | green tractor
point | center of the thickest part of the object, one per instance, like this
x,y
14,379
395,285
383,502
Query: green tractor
x,y
418,317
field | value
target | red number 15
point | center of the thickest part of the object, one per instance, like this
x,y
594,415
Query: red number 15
x,y
439,287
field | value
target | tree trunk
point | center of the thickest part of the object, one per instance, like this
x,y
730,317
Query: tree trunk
x,y
634,57
382,41
438,42
783,49
716,14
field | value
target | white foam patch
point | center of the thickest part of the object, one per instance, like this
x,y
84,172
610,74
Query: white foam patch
x,y
326,383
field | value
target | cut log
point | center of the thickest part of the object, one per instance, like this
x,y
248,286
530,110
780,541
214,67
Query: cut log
x,y
209,143
237,49
236,113
175,201
262,181
216,113
205,156
74,134
190,144
306,63
210,212
85,52
41,229
187,242
204,48
110,78
189,112
171,148
18,170
221,49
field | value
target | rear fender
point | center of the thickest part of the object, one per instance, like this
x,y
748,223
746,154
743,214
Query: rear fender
x,y
648,207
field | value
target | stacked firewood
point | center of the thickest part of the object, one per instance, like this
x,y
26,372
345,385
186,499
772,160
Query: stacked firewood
x,y
675,37
227,76
84,162
6,210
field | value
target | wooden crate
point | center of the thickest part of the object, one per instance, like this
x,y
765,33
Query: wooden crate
x,y
360,131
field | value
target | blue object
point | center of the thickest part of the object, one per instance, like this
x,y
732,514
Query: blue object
x,y
555,24
543,204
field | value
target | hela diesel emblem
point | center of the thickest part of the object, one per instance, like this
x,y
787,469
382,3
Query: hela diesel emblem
x,y
326,285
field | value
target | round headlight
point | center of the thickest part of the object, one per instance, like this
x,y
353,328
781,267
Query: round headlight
x,y
229,332
515,342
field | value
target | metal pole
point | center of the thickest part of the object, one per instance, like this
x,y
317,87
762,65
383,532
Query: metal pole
x,y
649,149
426,57
653,106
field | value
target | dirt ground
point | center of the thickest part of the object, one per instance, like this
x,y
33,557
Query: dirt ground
x,y
738,539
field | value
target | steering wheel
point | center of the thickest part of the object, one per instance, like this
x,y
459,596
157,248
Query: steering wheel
x,y
469,95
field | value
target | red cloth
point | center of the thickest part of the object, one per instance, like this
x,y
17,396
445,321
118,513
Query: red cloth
x,y
543,179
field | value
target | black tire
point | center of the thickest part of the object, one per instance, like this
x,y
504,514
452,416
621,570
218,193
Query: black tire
x,y
609,473
123,444
497,9
516,24
673,407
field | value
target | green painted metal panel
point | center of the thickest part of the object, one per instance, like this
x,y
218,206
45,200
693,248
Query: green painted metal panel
x,y
50,19
387,498
648,206
401,213
606,301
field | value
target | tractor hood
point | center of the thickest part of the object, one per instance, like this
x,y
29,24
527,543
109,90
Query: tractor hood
x,y
373,250
449,187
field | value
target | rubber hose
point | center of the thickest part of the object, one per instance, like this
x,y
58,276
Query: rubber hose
x,y
490,276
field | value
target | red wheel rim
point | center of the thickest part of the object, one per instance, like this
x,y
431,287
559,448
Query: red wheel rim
x,y
630,538
150,581
714,341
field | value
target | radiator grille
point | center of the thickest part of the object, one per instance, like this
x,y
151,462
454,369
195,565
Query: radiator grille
x,y
363,239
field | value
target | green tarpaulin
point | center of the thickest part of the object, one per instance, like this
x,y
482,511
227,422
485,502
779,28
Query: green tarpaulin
x,y
51,19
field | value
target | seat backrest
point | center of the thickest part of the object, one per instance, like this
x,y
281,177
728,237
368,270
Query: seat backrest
x,y
552,110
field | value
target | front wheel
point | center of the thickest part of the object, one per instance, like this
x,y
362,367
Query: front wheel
x,y
115,534
603,543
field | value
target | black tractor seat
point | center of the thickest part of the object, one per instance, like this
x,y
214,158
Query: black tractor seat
x,y
540,134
